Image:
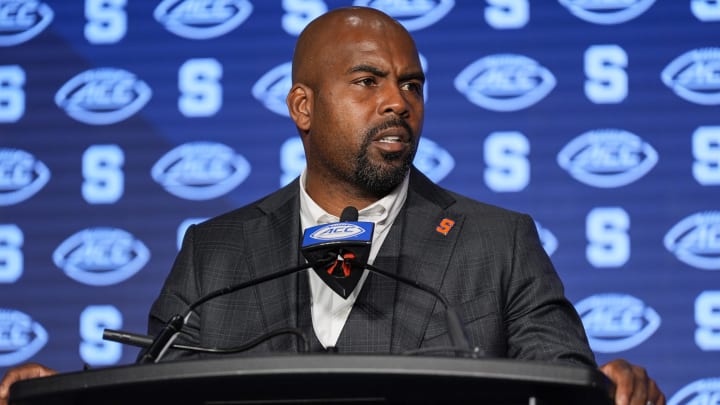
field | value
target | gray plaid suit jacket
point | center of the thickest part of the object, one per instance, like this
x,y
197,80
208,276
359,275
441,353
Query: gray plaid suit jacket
x,y
490,265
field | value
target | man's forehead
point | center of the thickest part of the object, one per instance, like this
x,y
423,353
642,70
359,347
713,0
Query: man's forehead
x,y
376,53
349,37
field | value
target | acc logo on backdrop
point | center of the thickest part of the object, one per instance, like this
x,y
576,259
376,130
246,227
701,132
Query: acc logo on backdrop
x,y
705,391
103,96
200,170
694,240
607,11
505,82
694,76
21,176
202,19
412,14
273,87
607,158
101,256
616,322
22,20
20,337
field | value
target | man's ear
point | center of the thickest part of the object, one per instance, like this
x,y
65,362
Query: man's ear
x,y
299,102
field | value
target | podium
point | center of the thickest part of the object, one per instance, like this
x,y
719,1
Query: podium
x,y
326,378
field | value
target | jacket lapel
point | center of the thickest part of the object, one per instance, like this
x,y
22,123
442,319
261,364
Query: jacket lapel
x,y
429,236
275,236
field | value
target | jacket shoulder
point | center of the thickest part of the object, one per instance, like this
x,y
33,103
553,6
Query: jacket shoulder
x,y
281,200
450,200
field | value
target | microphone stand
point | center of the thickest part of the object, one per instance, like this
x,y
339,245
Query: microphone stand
x,y
164,340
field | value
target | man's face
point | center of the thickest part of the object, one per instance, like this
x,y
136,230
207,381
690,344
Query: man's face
x,y
367,111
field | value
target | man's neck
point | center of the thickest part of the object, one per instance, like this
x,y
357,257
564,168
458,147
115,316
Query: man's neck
x,y
333,198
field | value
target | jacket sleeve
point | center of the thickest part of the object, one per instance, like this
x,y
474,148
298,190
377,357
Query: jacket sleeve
x,y
540,322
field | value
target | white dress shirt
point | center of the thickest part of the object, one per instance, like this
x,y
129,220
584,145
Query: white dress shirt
x,y
329,310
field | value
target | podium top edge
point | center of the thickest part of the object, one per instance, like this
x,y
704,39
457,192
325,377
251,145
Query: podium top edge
x,y
324,364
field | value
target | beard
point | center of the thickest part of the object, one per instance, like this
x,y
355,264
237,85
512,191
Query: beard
x,y
380,178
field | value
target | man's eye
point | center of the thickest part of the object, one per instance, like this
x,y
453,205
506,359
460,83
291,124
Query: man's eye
x,y
412,86
368,81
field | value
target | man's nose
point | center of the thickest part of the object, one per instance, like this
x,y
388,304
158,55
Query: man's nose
x,y
395,100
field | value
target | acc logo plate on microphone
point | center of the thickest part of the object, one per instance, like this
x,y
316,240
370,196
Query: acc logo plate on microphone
x,y
338,231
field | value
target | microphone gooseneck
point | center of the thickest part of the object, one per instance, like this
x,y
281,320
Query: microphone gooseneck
x,y
143,341
164,340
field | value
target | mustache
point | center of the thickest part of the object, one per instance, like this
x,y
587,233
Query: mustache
x,y
391,123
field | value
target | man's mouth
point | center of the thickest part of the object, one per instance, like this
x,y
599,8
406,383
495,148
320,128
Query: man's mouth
x,y
392,144
390,139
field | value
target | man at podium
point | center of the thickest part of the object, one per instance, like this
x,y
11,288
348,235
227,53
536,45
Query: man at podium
x,y
357,102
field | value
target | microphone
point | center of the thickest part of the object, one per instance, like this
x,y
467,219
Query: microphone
x,y
346,244
143,341
127,338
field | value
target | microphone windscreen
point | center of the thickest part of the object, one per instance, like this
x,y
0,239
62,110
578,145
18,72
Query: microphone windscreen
x,y
349,214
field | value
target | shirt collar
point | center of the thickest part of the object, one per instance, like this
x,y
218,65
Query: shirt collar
x,y
380,212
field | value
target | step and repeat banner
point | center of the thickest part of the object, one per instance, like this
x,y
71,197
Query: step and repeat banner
x,y
124,121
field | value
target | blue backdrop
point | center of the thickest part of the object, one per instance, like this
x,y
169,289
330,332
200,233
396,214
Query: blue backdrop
x,y
122,121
